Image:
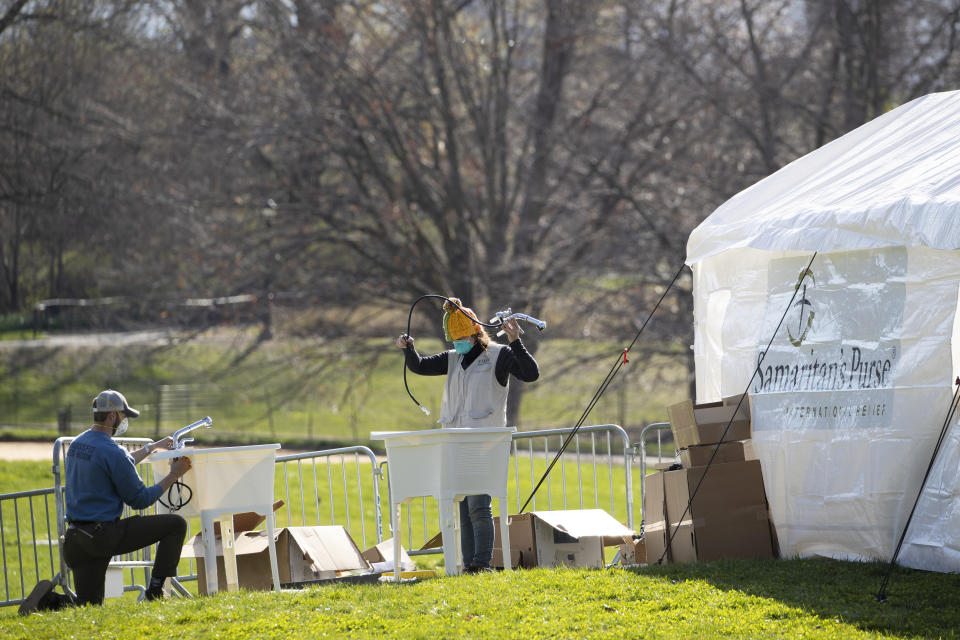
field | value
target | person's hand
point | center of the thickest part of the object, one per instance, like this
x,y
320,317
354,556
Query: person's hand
x,y
404,340
180,466
512,329
165,443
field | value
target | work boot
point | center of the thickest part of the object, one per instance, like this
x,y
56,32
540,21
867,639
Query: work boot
x,y
37,598
153,593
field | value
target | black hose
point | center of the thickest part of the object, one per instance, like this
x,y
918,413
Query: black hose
x,y
495,325
179,503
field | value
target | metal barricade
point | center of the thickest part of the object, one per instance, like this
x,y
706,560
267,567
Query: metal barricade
x,y
25,518
367,509
332,487
532,451
658,428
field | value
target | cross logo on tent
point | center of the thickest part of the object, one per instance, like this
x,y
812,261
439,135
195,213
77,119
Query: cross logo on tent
x,y
803,303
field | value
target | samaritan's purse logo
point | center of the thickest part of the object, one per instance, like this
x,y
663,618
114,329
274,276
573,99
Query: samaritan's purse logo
x,y
804,316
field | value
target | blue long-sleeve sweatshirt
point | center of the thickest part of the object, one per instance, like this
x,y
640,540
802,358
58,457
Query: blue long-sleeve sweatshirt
x,y
101,477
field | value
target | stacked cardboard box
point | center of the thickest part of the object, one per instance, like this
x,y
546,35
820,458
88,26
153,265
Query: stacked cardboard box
x,y
704,513
697,430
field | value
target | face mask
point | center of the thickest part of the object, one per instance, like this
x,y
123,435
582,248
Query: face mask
x,y
462,346
121,428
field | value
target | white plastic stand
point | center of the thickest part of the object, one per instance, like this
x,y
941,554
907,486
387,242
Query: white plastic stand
x,y
448,464
225,481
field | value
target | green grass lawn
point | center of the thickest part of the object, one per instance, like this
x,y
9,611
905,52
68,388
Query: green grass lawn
x,y
812,598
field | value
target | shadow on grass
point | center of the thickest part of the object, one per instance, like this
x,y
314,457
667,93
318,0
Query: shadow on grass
x,y
919,603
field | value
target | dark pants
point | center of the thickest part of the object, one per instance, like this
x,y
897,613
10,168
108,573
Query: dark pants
x,y
476,530
87,549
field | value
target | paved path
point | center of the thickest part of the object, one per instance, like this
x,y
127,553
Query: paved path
x,y
115,339
44,451
26,451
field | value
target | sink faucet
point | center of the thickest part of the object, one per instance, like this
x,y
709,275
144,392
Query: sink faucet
x,y
179,443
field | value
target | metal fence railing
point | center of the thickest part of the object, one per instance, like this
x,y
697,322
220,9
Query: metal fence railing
x,y
657,428
27,542
357,509
587,475
343,487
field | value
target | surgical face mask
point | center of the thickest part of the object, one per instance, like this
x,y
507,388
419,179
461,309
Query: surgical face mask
x,y
121,428
462,346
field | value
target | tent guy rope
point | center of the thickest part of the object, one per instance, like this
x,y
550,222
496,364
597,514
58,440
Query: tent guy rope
x,y
614,369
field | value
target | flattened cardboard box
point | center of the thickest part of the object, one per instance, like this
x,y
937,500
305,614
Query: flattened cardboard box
x,y
303,554
705,423
729,513
698,455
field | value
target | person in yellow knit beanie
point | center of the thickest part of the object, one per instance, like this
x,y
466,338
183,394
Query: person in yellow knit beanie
x,y
478,374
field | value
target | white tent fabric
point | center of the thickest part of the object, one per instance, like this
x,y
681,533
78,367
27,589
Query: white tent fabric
x,y
850,399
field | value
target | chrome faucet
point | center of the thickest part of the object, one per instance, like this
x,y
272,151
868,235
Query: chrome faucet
x,y
178,443
507,314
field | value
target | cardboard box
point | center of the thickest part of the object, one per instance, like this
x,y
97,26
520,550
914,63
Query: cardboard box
x,y
729,515
523,550
575,538
682,539
654,499
655,541
682,545
304,554
699,455
246,521
381,555
633,551
705,423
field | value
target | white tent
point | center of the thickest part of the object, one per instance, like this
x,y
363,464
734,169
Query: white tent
x,y
851,397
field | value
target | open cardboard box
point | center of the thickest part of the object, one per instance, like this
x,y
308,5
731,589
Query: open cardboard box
x,y
246,521
705,423
573,538
304,554
380,557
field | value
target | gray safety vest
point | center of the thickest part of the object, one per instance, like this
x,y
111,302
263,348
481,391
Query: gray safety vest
x,y
473,397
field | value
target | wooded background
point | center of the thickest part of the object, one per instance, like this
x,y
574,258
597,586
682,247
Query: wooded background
x,y
548,155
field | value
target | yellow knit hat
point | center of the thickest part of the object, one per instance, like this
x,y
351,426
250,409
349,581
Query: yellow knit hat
x,y
458,325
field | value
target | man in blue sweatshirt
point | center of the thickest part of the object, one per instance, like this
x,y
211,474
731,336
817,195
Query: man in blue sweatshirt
x,y
101,478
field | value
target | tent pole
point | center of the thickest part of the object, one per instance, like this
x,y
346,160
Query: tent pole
x,y
882,593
